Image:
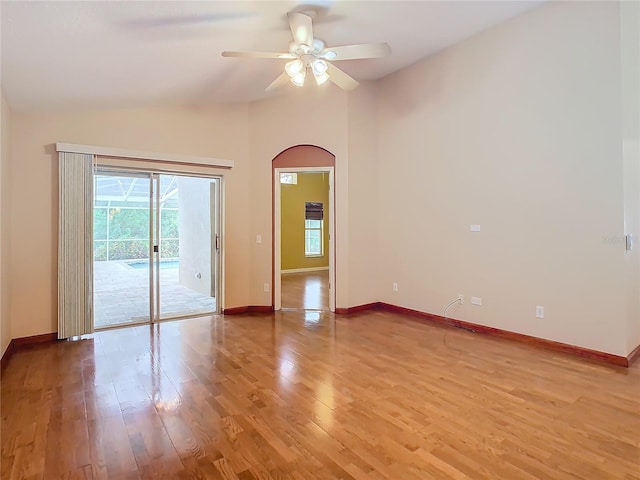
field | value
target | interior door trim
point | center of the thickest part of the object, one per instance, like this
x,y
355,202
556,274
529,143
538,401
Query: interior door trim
x,y
277,251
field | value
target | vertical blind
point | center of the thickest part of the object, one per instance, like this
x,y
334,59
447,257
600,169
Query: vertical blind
x,y
75,238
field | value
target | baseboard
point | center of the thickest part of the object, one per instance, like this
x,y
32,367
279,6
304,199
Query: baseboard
x,y
358,308
22,342
518,337
609,358
248,309
7,355
304,270
633,356
43,338
18,343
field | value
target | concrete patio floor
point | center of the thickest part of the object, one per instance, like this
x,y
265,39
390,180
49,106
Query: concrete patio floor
x,y
121,295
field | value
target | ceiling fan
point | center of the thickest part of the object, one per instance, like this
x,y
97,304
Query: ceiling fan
x,y
310,54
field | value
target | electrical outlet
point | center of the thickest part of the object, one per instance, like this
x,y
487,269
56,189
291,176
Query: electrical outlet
x,y
539,312
476,301
460,299
395,286
266,287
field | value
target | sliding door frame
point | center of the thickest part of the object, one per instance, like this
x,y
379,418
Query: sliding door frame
x,y
99,170
217,234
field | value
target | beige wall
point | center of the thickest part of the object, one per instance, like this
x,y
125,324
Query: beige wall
x,y
219,132
308,116
630,69
5,212
518,130
345,125
310,187
365,281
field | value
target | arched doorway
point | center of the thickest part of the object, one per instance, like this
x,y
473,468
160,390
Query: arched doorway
x,y
304,161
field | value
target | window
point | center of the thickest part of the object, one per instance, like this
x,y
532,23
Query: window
x,y
313,225
289,178
313,238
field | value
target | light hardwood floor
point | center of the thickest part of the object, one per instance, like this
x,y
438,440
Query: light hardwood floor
x,y
304,395
307,290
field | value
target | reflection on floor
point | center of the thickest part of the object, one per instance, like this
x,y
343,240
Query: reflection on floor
x,y
309,290
308,395
121,295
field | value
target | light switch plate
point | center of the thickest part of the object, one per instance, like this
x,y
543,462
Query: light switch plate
x,y
474,228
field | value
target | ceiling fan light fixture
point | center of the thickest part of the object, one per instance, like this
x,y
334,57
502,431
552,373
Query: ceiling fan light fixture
x,y
319,67
320,79
298,78
307,52
330,55
294,67
318,44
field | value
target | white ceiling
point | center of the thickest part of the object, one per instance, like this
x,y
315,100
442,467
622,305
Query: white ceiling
x,y
94,54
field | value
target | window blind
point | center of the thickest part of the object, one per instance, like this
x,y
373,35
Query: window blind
x,y
313,211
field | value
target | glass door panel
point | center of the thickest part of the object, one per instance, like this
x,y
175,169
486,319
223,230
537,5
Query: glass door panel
x,y
121,250
186,238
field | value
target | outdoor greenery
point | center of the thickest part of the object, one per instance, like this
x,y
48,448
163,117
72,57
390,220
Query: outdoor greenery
x,y
123,233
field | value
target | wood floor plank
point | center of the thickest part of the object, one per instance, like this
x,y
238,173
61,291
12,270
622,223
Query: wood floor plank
x,y
375,396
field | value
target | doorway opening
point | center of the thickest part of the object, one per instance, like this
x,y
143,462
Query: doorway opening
x,y
311,287
304,239
156,246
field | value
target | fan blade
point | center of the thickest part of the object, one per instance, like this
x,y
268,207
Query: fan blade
x,y
282,80
340,78
258,55
301,28
353,52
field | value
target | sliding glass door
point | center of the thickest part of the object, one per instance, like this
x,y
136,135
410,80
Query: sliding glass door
x,y
187,261
122,249
156,247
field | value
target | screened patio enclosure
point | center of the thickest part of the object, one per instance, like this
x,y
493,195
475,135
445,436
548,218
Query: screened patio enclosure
x,y
154,247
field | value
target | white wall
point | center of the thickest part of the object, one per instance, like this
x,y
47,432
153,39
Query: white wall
x,y
5,212
194,221
519,130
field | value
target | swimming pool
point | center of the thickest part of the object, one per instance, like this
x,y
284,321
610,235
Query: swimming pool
x,y
144,264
